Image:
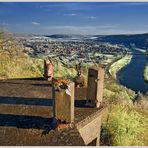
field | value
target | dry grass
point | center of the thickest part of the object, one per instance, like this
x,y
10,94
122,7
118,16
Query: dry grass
x,y
19,67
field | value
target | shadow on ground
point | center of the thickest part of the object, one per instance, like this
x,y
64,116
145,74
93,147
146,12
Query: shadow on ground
x,y
34,101
36,78
25,101
22,121
27,81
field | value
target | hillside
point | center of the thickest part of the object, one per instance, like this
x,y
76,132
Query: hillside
x,y
139,40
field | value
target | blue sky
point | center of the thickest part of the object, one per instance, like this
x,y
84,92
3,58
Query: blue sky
x,y
74,18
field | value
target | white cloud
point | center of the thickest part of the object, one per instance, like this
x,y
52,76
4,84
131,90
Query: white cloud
x,y
91,17
35,23
71,14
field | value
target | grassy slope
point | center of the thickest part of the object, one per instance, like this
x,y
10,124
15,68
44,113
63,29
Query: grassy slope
x,y
27,67
19,67
124,126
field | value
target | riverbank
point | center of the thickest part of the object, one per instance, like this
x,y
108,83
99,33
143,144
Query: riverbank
x,y
146,73
119,64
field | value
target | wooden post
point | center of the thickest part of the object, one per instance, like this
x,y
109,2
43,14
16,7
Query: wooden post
x,y
95,86
45,69
63,107
48,69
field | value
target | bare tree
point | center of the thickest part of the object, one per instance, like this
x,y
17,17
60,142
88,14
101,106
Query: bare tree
x,y
78,68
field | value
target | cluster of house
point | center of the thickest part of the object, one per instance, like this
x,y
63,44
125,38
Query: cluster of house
x,y
72,50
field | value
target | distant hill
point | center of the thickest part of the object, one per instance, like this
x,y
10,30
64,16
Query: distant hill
x,y
58,36
65,36
140,40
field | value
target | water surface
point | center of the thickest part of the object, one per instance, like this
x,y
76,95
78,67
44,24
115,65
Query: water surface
x,y
131,76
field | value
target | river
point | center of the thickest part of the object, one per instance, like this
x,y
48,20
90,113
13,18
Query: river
x,y
131,75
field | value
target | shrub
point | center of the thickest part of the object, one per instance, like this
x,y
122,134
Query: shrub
x,y
141,101
124,126
115,93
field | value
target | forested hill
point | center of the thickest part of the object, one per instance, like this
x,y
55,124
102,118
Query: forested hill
x,y
139,40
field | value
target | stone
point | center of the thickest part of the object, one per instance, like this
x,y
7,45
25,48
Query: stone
x,y
63,106
95,86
